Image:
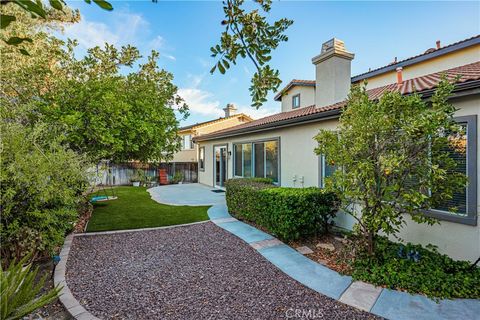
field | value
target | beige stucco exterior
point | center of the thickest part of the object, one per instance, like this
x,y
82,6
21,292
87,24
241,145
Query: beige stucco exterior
x,y
191,155
443,62
299,162
307,97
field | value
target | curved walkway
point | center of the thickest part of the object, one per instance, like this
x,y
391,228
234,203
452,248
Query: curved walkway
x,y
387,303
106,267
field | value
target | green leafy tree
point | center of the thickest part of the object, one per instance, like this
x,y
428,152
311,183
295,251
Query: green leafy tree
x,y
108,115
393,158
248,34
20,294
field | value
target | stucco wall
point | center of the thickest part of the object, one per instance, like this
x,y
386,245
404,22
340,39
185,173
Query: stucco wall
x,y
298,159
191,155
444,62
307,97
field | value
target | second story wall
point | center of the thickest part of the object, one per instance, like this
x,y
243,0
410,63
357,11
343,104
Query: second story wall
x,y
306,95
443,62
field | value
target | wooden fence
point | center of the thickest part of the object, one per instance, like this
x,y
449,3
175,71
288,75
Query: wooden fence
x,y
119,174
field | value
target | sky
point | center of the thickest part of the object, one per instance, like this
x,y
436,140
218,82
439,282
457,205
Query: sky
x,y
184,31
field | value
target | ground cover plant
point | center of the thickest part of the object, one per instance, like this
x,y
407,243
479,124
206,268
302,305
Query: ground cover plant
x,y
135,209
288,213
417,270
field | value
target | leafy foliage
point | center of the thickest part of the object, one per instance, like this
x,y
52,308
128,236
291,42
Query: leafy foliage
x,y
37,10
417,270
392,158
107,115
40,183
289,213
249,34
20,295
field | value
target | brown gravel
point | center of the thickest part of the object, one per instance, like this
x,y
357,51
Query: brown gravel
x,y
193,272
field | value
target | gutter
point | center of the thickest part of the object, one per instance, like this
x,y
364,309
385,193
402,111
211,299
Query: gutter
x,y
326,115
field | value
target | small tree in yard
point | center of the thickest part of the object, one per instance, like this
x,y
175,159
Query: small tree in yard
x,y
394,158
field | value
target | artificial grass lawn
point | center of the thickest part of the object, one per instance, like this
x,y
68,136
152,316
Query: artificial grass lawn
x,y
135,209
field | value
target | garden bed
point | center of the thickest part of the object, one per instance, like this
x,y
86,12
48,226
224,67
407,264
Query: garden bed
x,y
409,268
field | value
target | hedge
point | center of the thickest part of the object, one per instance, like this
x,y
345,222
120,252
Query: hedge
x,y
288,213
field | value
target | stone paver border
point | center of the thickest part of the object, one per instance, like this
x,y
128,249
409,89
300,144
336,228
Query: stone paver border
x,y
74,308
65,296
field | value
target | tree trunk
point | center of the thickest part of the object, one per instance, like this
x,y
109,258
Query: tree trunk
x,y
371,246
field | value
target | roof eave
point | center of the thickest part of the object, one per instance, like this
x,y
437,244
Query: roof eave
x,y
461,89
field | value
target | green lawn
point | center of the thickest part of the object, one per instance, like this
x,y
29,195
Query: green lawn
x,y
135,209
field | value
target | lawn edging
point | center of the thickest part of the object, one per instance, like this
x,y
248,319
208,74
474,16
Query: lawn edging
x,y
71,304
65,296
391,304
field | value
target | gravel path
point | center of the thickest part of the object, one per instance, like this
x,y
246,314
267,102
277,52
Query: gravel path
x,y
192,272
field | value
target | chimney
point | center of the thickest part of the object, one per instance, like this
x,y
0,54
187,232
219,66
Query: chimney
x,y
229,110
399,76
438,44
333,73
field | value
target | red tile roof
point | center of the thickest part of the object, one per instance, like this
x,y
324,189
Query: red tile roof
x,y
469,72
428,54
294,82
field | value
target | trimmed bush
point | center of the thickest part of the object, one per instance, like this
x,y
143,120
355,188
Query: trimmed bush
x,y
288,213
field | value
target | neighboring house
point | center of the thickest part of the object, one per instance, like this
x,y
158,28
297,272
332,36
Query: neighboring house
x,y
281,146
190,155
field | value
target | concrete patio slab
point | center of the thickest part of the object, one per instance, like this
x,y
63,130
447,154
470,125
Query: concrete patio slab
x,y
402,306
306,271
245,232
191,194
361,295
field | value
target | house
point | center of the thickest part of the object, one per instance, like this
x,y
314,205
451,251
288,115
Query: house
x,y
187,158
281,146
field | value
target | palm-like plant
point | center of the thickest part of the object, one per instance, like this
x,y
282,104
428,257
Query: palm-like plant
x,y
20,294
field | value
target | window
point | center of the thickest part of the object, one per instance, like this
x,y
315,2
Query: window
x,y
201,159
187,143
296,101
463,150
257,159
326,170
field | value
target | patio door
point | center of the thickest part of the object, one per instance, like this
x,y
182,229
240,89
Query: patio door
x,y
220,166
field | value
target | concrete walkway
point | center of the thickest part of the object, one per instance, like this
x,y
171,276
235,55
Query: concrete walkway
x,y
191,194
390,304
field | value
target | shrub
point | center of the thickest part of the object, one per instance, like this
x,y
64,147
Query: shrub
x,y
289,213
417,270
20,295
41,185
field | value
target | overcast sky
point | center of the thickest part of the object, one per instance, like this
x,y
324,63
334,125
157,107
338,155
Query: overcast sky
x,y
184,31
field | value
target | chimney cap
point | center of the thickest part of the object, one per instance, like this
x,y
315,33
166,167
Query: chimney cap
x,y
229,110
330,48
